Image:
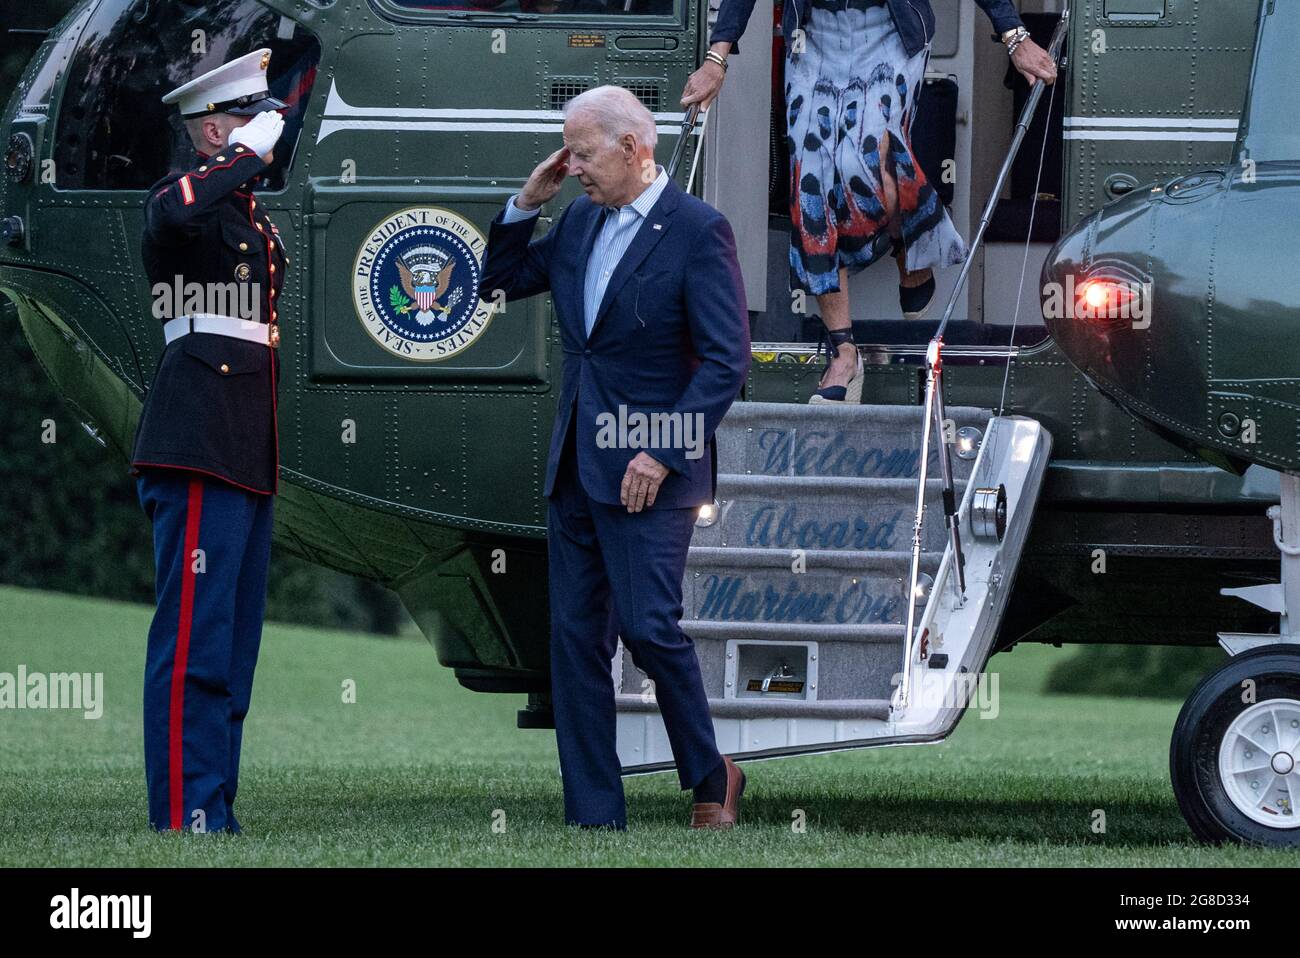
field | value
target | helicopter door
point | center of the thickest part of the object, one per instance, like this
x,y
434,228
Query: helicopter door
x,y
736,162
745,164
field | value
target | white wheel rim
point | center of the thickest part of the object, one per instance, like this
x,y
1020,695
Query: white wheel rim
x,y
1259,763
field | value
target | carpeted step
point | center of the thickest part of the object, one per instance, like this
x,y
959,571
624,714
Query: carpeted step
x,y
809,512
832,587
788,439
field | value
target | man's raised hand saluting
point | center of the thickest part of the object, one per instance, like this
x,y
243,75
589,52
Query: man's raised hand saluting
x,y
545,181
260,134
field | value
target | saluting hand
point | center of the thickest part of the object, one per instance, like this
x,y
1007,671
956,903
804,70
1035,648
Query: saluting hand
x,y
1033,62
545,181
645,474
260,134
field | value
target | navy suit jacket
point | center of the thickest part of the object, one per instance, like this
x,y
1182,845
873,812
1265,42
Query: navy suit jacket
x,y
671,334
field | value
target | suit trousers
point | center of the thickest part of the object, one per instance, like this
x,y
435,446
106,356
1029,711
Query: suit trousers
x,y
212,546
617,573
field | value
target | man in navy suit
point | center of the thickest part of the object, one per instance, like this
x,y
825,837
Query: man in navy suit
x,y
654,329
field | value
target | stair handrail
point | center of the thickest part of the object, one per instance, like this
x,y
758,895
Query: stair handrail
x,y
935,415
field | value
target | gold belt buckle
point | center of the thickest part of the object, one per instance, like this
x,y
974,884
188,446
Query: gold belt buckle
x,y
273,336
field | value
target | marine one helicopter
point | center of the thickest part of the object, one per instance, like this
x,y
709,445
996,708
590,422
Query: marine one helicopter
x,y
1097,442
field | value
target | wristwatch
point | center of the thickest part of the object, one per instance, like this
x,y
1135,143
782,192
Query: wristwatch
x,y
1012,38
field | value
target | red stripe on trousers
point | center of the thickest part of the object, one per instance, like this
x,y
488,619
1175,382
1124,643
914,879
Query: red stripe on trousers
x,y
175,728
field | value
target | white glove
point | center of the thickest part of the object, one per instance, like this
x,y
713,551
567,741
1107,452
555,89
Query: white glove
x,y
259,134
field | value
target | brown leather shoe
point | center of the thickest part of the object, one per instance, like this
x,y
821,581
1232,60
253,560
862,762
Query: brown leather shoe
x,y
721,816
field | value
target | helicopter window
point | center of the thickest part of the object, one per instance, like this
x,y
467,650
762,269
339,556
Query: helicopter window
x,y
113,130
548,7
37,97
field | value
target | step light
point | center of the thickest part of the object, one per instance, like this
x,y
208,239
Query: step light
x,y
967,442
924,583
708,514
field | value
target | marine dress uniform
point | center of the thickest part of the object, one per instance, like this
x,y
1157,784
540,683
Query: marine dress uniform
x,y
206,453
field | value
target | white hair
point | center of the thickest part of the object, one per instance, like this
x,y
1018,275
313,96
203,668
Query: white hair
x,y
617,111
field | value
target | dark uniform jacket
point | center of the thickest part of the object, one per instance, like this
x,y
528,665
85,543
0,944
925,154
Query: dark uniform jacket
x,y
212,406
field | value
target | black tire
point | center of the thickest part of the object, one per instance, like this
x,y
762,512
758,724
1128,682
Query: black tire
x,y
1201,725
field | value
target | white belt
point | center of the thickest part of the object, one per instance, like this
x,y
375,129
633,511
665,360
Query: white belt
x,y
248,329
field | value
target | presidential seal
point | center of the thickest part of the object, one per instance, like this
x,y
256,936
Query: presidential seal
x,y
415,284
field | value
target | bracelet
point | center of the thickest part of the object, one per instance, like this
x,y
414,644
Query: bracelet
x,y
717,58
1013,38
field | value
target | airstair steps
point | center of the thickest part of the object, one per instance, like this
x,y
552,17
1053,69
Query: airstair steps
x,y
804,568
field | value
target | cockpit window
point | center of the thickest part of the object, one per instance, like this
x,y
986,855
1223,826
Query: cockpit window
x,y
36,98
113,130
567,8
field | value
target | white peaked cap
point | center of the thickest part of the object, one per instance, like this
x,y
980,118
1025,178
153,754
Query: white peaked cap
x,y
235,87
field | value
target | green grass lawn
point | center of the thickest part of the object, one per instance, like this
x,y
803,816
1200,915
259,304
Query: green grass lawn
x,y
416,770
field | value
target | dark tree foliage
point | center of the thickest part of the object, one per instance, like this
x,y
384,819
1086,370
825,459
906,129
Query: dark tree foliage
x,y
1140,671
73,522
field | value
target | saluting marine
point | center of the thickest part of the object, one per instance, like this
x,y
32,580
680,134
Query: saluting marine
x,y
206,453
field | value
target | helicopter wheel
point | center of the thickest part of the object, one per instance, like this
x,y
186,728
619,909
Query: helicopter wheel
x,y
1234,759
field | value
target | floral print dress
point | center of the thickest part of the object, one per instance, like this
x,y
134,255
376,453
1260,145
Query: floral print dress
x,y
850,83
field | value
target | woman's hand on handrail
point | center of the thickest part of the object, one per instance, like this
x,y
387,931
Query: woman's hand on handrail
x,y
703,85
1033,62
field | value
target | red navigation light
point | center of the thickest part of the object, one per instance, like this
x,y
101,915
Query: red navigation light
x,y
1104,298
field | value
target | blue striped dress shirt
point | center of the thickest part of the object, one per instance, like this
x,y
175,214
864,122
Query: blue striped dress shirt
x,y
617,231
